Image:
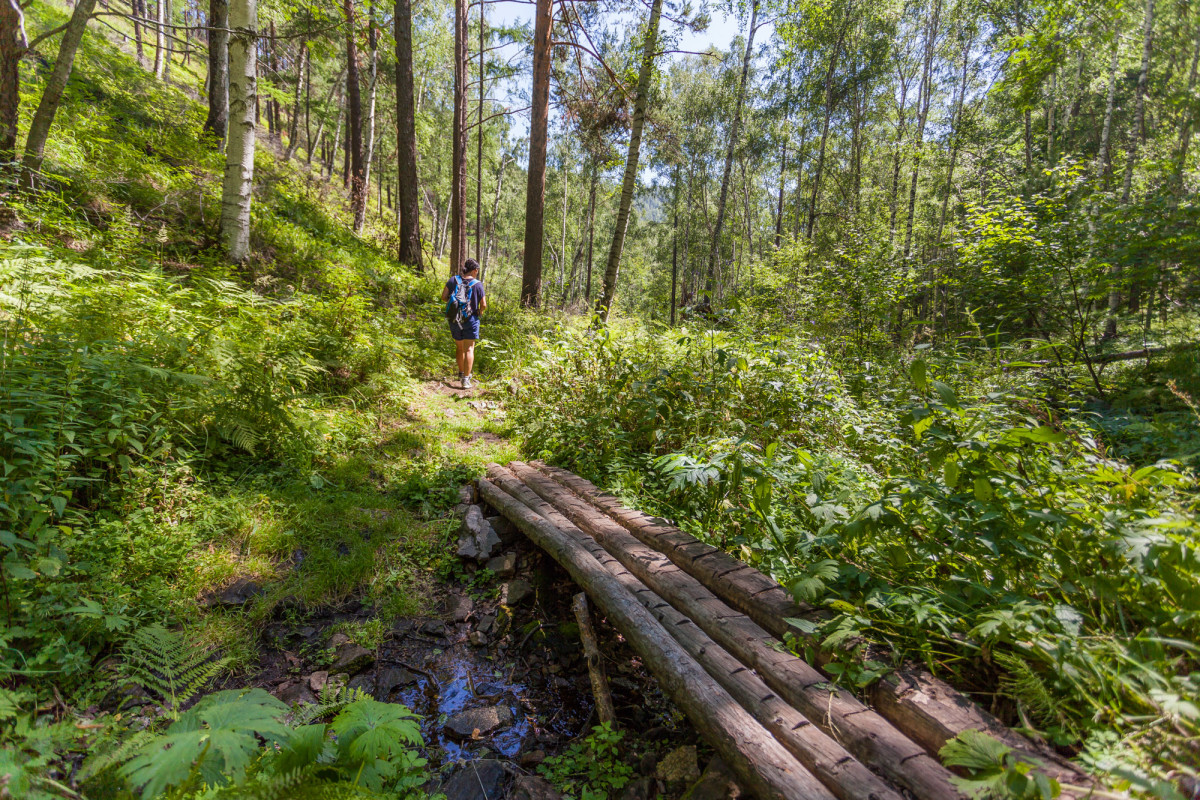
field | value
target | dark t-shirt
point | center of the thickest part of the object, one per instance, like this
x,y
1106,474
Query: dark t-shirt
x,y
476,295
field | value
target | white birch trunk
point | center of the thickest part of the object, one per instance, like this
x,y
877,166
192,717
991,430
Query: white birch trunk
x,y
239,152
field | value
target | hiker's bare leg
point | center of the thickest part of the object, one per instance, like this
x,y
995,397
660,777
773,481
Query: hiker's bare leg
x,y
458,355
468,355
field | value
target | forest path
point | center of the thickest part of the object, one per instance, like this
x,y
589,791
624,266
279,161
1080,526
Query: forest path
x,y
470,424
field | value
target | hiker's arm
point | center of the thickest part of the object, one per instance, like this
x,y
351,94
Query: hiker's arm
x,y
445,293
483,303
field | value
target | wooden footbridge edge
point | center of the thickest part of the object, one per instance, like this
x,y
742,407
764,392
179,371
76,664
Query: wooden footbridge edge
x,y
706,626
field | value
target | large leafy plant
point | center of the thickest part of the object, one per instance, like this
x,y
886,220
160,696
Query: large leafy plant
x,y
218,743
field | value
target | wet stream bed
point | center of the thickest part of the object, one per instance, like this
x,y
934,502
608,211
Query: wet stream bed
x,y
498,678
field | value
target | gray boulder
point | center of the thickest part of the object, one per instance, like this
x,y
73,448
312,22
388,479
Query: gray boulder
x,y
459,607
477,780
503,565
717,783
476,538
463,725
296,693
530,787
352,658
393,678
515,591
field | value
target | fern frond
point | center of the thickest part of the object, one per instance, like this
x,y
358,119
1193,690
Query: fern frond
x,y
331,700
110,752
1025,687
168,664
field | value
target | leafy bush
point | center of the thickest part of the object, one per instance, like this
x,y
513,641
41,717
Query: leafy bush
x,y
591,769
985,530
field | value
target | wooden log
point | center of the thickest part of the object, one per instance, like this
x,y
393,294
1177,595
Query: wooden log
x,y
863,732
924,708
591,651
829,761
763,765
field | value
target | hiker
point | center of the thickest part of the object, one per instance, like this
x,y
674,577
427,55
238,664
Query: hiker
x,y
464,299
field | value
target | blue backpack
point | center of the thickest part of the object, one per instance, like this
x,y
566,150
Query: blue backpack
x,y
459,304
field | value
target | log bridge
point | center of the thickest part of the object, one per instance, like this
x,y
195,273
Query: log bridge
x,y
710,628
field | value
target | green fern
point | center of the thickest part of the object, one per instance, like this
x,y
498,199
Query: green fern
x,y
168,664
332,699
1025,687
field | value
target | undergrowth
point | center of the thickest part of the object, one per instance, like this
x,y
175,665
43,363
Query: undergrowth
x,y
974,519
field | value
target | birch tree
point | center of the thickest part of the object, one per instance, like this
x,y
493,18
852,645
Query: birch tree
x,y
237,188
43,118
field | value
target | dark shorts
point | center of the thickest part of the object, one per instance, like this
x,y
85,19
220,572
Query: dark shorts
x,y
468,330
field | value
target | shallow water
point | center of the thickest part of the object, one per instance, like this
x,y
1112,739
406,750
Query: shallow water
x,y
545,708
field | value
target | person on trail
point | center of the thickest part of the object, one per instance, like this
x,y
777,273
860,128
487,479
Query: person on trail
x,y
465,301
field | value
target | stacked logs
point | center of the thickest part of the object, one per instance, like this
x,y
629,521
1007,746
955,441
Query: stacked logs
x,y
707,625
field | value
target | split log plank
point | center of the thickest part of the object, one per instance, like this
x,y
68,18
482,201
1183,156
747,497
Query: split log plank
x,y
863,732
764,766
925,708
828,760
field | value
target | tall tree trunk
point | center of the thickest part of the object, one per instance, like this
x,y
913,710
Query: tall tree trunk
x,y
1135,141
495,215
1104,157
798,217
159,38
479,144
1050,104
820,170
372,86
675,246
337,137
1187,119
354,138
458,162
782,168
43,118
535,192
12,47
406,142
218,68
566,195
587,294
734,131
294,132
316,140
238,186
901,125
138,8
308,133
926,95
955,130
168,17
1137,129
645,75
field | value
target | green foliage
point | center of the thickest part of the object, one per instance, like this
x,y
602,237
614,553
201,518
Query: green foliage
x,y
995,773
210,744
168,664
942,510
214,750
591,769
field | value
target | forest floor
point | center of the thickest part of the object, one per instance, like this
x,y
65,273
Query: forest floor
x,y
485,650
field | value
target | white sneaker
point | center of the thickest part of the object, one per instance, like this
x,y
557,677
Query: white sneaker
x,y
466,382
